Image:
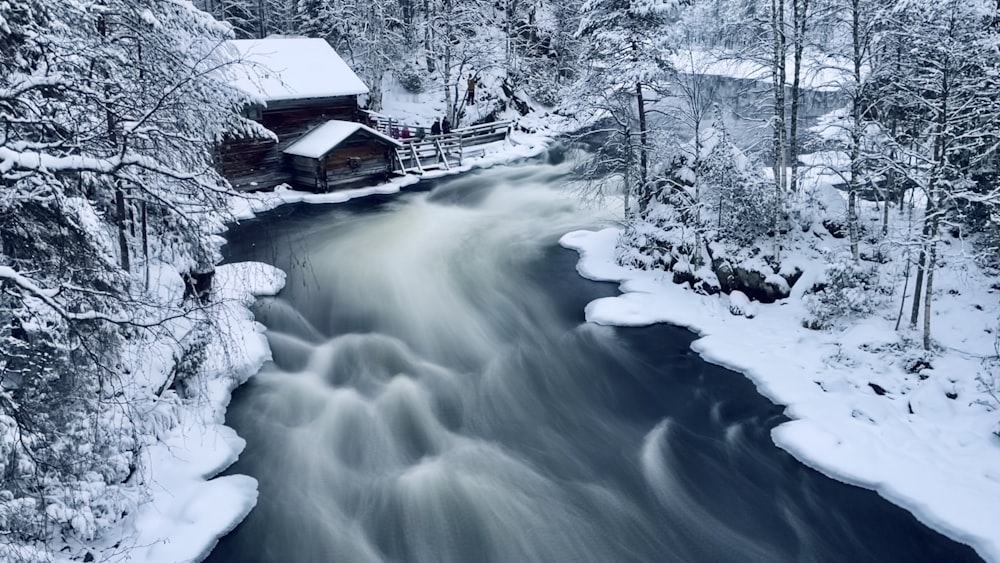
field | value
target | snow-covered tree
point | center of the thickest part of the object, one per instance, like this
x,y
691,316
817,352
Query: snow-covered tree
x,y
541,51
945,90
628,44
857,23
110,110
738,204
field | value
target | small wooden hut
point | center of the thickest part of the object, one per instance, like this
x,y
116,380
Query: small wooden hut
x,y
340,154
300,84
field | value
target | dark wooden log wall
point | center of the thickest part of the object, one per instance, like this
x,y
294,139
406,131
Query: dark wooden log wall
x,y
289,119
251,164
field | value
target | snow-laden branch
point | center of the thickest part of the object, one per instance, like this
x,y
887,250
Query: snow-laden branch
x,y
48,296
13,160
18,89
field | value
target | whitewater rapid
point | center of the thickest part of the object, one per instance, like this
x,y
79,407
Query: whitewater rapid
x,y
435,396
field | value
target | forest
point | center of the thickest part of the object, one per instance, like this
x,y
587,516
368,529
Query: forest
x,y
110,111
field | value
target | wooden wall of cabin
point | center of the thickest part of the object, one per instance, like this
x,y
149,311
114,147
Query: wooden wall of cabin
x,y
360,156
290,120
251,164
358,160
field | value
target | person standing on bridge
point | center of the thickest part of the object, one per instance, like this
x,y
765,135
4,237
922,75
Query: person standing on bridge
x,y
436,127
470,93
446,125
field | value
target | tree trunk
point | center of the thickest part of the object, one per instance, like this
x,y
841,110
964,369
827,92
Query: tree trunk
x,y
122,216
627,172
446,76
643,147
508,34
890,185
145,242
886,198
778,80
906,282
696,168
856,131
929,293
375,93
918,283
800,10
935,198
429,37
262,19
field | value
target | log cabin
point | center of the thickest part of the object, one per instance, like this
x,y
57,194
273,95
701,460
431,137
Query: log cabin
x,y
340,154
299,84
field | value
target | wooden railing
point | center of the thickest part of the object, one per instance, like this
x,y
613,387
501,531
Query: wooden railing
x,y
483,133
446,150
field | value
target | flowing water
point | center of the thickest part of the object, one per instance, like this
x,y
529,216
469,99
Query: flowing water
x,y
437,397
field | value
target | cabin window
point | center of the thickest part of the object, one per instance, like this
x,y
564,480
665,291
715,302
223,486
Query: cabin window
x,y
354,162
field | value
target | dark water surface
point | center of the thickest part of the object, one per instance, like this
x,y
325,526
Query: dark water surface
x,y
437,397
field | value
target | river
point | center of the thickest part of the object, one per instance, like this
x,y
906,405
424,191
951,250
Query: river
x,y
437,397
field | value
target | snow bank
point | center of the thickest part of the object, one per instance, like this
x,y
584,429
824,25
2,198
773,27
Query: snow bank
x,y
925,443
188,510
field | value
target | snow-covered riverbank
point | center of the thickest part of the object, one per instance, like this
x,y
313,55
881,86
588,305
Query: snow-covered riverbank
x,y
925,439
190,508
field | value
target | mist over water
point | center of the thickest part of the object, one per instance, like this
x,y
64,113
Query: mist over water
x,y
436,397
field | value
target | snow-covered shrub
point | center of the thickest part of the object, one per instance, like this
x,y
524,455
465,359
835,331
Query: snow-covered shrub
x,y
648,242
410,79
848,289
739,203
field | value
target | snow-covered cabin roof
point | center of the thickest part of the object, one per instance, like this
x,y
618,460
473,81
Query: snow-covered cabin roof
x,y
326,137
291,68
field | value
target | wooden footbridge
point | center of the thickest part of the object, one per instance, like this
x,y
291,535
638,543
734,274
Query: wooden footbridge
x,y
420,154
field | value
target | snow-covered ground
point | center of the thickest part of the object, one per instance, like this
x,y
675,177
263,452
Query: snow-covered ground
x,y
925,439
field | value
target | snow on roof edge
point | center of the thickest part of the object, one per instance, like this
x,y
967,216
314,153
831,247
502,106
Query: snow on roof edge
x,y
327,136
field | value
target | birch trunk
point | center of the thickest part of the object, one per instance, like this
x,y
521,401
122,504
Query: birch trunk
x,y
778,80
929,292
856,130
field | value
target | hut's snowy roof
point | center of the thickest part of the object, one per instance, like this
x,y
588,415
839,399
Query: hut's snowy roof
x,y
324,138
290,68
